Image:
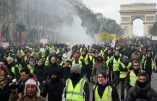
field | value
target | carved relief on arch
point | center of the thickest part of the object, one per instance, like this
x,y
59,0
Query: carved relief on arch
x,y
1,23
142,17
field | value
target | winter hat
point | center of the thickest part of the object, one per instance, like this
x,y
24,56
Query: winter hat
x,y
76,67
32,82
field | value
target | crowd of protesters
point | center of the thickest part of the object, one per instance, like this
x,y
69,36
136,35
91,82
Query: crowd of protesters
x,y
59,72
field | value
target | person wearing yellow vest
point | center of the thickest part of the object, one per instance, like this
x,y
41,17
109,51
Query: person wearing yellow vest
x,y
148,64
88,64
124,68
99,66
109,57
132,75
104,91
31,64
13,70
142,91
77,60
114,67
77,88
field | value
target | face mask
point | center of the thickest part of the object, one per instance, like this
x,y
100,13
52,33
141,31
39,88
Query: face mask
x,y
75,76
142,84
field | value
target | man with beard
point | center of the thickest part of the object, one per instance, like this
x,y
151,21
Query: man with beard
x,y
142,90
53,87
77,88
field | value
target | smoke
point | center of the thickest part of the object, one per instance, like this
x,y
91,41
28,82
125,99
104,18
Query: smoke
x,y
75,33
59,18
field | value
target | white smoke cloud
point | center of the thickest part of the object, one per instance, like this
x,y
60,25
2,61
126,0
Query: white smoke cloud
x,y
61,17
75,33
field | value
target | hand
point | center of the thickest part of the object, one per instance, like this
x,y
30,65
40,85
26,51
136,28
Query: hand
x,y
19,95
44,82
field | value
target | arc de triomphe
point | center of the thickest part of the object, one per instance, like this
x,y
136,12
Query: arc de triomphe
x,y
144,11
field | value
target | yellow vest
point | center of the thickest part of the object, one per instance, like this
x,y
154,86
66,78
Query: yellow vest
x,y
31,68
152,64
133,78
47,61
108,60
116,64
79,62
106,94
123,73
77,93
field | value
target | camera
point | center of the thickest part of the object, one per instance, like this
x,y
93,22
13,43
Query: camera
x,y
17,85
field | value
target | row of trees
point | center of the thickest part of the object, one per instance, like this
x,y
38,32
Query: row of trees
x,y
42,17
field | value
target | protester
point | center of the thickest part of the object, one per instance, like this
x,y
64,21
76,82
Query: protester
x,y
31,92
104,91
4,83
53,87
142,90
76,84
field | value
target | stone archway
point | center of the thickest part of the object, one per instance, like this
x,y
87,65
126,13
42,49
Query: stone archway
x,y
144,11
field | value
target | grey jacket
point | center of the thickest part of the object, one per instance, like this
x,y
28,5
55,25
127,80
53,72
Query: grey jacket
x,y
142,94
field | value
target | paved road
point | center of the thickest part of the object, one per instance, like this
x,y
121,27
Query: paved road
x,y
154,81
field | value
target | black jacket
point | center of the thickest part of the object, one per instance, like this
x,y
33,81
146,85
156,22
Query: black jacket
x,y
54,88
65,72
52,67
5,89
39,71
101,88
137,93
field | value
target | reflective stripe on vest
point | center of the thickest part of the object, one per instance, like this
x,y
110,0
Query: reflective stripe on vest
x,y
116,64
19,66
13,70
77,93
123,73
31,68
47,61
79,62
133,78
106,94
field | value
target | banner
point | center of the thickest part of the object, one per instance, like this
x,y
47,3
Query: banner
x,y
105,36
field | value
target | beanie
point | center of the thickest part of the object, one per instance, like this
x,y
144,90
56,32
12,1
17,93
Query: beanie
x,y
76,67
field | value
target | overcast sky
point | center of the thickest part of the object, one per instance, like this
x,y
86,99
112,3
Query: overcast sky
x,y
110,9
